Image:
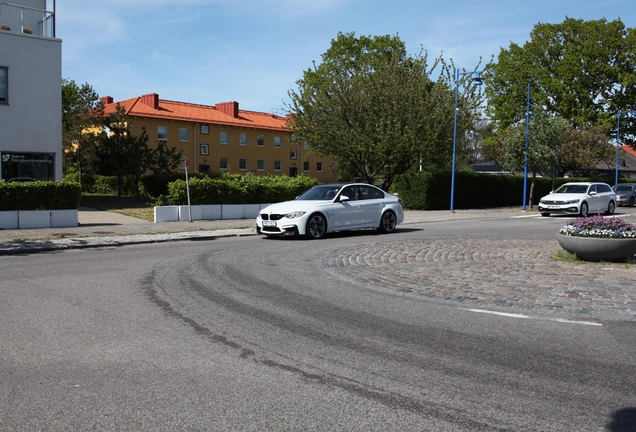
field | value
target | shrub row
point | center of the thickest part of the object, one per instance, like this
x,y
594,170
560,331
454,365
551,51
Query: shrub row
x,y
239,189
41,195
431,191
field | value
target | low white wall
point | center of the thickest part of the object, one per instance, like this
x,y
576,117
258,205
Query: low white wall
x,y
64,218
9,219
208,212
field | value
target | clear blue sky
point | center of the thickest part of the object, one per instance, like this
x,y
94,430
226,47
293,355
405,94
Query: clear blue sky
x,y
253,51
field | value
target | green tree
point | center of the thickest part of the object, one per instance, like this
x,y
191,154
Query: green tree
x,y
377,109
164,159
546,133
81,113
583,147
122,154
581,70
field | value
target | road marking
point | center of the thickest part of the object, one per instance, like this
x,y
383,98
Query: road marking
x,y
521,316
526,216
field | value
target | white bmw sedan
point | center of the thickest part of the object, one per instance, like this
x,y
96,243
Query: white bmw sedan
x,y
580,198
332,207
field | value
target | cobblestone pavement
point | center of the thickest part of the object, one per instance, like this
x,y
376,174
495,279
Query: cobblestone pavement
x,y
508,275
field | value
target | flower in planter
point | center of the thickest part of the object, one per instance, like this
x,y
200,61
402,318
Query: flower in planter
x,y
599,226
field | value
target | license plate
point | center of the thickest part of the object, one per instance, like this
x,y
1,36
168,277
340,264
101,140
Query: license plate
x,y
554,207
269,223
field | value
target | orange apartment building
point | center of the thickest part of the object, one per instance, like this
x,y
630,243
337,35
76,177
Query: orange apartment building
x,y
223,138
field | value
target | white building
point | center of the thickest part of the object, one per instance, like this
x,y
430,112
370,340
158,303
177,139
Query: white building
x,y
30,91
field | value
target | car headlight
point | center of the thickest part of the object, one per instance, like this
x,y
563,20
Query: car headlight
x,y
294,215
572,201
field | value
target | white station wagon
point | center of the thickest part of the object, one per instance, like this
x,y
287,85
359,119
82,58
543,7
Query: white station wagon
x,y
579,198
332,207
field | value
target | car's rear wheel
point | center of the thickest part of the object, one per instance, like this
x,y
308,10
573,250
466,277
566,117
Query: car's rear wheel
x,y
631,202
316,226
388,222
545,214
583,210
610,208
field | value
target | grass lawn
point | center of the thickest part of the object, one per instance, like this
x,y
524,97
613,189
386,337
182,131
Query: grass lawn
x,y
141,208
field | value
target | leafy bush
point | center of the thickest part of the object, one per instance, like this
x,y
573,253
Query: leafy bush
x,y
239,189
41,195
431,191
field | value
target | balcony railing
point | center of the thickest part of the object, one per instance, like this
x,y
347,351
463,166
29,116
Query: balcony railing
x,y
26,19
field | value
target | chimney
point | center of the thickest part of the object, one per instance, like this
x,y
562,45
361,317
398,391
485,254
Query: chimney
x,y
151,99
229,108
106,100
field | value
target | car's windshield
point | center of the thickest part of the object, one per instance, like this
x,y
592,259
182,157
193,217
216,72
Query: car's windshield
x,y
320,193
571,188
623,187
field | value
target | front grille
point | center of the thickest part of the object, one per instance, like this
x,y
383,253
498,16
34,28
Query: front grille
x,y
553,202
274,217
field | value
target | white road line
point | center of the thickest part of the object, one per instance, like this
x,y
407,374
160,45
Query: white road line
x,y
521,316
526,216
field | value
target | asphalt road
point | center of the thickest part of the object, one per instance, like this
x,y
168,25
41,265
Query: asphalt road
x,y
258,334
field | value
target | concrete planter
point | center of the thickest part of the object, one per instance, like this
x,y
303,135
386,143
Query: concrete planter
x,y
598,249
34,219
232,211
185,216
64,218
166,214
9,219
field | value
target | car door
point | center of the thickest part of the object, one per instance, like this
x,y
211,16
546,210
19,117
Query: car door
x,y
370,205
346,211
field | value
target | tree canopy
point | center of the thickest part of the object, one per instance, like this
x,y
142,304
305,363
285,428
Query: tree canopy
x,y
581,70
377,108
81,111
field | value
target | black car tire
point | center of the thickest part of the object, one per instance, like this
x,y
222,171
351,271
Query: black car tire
x,y
545,214
316,226
388,222
610,208
584,209
631,202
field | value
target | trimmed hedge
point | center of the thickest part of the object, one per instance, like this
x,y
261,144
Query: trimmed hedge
x,y
431,191
239,189
41,195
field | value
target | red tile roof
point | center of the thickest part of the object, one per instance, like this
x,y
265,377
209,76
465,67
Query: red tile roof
x,y
144,106
628,149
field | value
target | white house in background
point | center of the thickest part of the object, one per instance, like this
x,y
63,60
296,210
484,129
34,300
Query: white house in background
x,y
30,91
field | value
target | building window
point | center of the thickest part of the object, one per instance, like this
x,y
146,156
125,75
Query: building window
x,y
292,154
319,166
204,168
242,164
223,164
162,133
243,139
223,138
277,141
305,145
38,166
205,150
261,164
183,134
204,129
306,166
4,84
293,138
276,165
261,141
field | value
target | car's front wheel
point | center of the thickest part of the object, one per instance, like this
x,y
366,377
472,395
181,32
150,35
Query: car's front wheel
x,y
610,208
583,210
316,226
388,222
545,214
631,202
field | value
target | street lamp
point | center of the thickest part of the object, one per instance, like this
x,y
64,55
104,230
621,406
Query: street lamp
x,y
477,81
629,114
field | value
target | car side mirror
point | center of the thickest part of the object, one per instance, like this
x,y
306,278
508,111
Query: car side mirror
x,y
343,198
592,193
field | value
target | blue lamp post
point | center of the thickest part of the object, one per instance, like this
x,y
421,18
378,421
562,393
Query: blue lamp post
x,y
629,114
478,81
